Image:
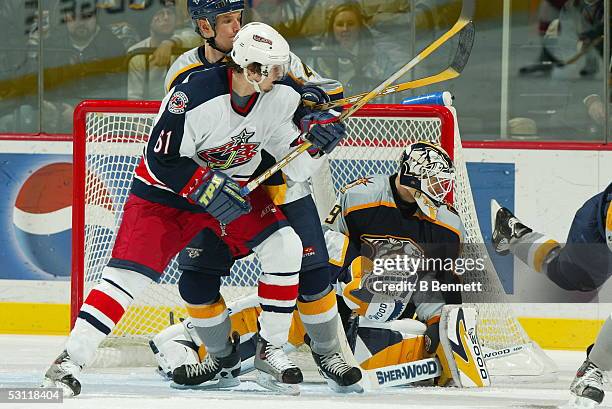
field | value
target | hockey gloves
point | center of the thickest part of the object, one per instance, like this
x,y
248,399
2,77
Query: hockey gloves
x,y
220,195
323,130
314,95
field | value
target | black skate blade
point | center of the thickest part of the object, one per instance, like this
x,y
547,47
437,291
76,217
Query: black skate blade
x,y
579,402
67,391
354,388
222,383
270,383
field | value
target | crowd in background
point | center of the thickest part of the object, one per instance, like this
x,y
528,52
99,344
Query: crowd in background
x,y
56,53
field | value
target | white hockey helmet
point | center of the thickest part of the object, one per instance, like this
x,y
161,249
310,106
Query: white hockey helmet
x,y
428,169
260,43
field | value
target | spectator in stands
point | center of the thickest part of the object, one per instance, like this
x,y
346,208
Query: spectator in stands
x,y
145,81
184,37
17,70
348,51
592,31
84,61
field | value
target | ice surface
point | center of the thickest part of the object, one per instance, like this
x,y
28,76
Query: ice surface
x,y
24,359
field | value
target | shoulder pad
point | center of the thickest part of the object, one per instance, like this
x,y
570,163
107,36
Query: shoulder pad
x,y
373,190
449,217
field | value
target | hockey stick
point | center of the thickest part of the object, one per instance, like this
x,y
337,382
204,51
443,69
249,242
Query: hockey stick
x,y
402,374
467,11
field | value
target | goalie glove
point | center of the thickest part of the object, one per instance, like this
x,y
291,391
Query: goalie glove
x,y
220,195
323,130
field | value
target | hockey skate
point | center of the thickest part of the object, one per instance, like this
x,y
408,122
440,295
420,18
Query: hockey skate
x,y
587,387
62,374
211,373
505,228
275,371
340,376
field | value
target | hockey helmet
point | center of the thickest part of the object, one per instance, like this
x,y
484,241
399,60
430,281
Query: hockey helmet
x,y
260,43
211,9
429,170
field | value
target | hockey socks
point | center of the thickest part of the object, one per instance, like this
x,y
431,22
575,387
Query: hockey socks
x,y
277,297
320,318
102,310
534,249
213,326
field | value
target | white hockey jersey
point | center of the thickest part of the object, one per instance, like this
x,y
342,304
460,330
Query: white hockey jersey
x,y
195,60
198,128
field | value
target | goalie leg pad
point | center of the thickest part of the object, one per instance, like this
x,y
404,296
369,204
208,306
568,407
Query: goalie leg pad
x,y
379,347
463,351
173,347
393,353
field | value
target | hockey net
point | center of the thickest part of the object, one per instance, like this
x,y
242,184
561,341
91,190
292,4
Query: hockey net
x,y
108,141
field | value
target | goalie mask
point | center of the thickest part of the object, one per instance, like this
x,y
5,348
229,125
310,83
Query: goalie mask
x,y
428,170
260,43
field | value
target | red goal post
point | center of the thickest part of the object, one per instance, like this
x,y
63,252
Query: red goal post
x,y
120,107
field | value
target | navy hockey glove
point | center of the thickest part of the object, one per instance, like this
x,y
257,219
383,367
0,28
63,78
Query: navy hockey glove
x,y
313,95
220,195
323,130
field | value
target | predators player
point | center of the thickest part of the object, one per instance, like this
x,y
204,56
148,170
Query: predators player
x,y
378,218
583,264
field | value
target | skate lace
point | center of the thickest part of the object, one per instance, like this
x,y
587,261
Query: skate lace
x,y
208,365
277,358
68,366
593,376
335,364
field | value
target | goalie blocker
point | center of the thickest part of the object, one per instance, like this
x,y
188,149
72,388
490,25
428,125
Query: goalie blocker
x,y
389,354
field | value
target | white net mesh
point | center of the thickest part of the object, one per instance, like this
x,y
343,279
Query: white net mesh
x,y
114,142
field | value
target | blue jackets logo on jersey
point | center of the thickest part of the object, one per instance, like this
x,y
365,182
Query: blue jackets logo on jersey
x,y
178,103
236,152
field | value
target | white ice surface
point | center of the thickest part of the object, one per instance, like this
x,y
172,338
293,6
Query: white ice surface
x,y
23,360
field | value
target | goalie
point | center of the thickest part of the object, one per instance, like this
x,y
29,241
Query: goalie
x,y
377,219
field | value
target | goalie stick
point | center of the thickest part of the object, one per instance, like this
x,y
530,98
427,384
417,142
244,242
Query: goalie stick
x,y
464,25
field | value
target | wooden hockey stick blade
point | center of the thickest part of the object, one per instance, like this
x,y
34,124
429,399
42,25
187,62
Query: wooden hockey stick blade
x,y
465,19
466,42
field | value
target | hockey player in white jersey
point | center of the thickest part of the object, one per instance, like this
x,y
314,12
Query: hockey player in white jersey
x,y
583,264
206,142
217,21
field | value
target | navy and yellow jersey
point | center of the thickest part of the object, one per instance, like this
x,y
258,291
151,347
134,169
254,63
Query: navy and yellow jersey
x,y
605,215
370,220
187,63
195,60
